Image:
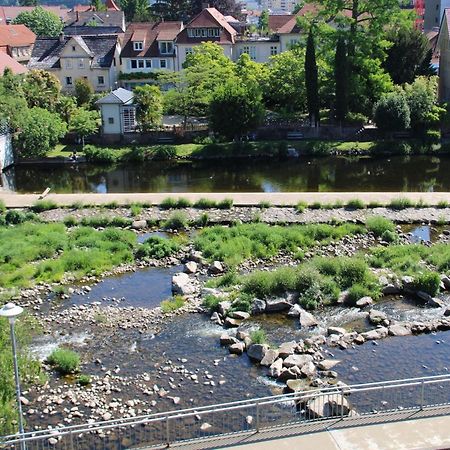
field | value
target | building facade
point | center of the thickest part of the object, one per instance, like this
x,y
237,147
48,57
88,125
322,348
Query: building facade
x,y
17,41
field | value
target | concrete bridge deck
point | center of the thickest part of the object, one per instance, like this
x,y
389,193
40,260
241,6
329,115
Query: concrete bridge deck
x,y
14,200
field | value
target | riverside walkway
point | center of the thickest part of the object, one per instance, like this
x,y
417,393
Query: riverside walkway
x,y
13,200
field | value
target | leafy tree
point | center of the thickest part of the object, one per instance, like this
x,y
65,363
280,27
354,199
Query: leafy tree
x,y
136,10
297,8
312,81
83,91
65,107
41,89
40,132
341,80
13,106
98,5
409,48
40,21
235,110
252,74
263,22
285,86
426,69
148,100
391,113
226,7
172,9
84,122
28,2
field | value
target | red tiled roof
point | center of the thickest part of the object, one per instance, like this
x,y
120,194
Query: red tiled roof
x,y
110,6
150,33
9,13
276,21
16,36
7,61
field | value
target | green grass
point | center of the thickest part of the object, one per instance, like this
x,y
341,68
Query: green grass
x,y
241,242
301,206
379,225
258,336
176,221
135,209
211,302
443,204
171,305
401,203
64,361
84,380
355,204
43,205
205,203
157,247
264,204
173,203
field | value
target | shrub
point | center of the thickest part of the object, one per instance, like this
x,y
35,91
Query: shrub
x,y
428,282
2,207
242,303
163,152
177,221
264,204
205,203
135,209
389,236
356,292
319,148
315,205
14,217
70,221
392,113
401,203
183,203
203,220
84,380
64,361
157,247
258,336
100,155
301,206
211,302
378,225
443,204
355,204
357,119
171,305
43,205
352,271
168,203
111,205
226,203
77,205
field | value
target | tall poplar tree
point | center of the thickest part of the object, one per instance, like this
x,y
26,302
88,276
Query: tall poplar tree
x,y
341,80
312,80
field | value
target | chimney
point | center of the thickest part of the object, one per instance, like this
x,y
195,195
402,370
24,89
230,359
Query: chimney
x,y
61,37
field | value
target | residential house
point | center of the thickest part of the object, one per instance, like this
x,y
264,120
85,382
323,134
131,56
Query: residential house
x,y
118,113
17,41
148,47
9,13
94,57
110,5
111,18
7,62
434,10
277,6
443,44
208,26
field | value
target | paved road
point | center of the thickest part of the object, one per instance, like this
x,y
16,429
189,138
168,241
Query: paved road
x,y
242,199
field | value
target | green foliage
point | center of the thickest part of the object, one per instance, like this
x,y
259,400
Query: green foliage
x,y
40,132
84,380
84,122
389,236
401,203
171,305
341,80
378,225
264,204
428,282
301,206
135,209
203,220
312,80
172,203
148,100
176,221
100,155
235,110
41,89
443,204
64,361
226,203
41,22
355,204
258,336
211,302
236,244
2,207
83,92
157,247
205,203
43,205
392,112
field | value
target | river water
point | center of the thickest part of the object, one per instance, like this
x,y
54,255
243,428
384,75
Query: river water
x,y
330,174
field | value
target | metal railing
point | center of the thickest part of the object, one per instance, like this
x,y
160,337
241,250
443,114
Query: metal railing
x,y
341,405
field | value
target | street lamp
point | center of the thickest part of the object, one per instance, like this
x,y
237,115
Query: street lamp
x,y
11,311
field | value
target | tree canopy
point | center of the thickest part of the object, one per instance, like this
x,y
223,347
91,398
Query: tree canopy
x,y
40,21
148,100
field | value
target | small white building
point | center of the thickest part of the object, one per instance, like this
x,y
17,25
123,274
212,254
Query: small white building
x,y
118,112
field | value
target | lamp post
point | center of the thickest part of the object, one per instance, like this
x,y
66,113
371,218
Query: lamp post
x,y
11,311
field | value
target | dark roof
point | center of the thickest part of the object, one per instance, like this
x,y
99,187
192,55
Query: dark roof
x,y
150,33
47,51
107,18
276,21
90,31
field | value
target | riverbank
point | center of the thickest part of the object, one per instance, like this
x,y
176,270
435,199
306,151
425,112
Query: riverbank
x,y
13,200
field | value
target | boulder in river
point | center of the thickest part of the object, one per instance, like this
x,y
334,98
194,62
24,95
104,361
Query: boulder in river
x,y
241,315
231,323
328,364
376,317
257,351
182,284
297,360
277,305
237,348
330,405
275,368
306,319
287,348
435,302
270,357
399,329
216,268
295,311
191,267
364,301
258,306
139,224
336,330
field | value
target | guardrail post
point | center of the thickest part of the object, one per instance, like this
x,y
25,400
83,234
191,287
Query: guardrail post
x,y
257,417
167,432
422,395
342,403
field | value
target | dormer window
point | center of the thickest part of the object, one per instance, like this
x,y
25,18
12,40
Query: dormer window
x,y
203,32
138,46
166,48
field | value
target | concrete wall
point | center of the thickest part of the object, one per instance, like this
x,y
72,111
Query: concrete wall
x,y
6,152
113,112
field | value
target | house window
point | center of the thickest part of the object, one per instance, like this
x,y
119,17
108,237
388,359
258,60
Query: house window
x,y
68,64
166,47
273,50
80,64
140,63
74,49
188,51
293,42
203,32
134,64
69,81
138,45
129,120
111,120
148,63
250,50
101,80
162,63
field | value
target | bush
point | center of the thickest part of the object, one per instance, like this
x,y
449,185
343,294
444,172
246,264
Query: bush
x,y
100,155
177,221
64,361
315,205
357,119
378,225
258,336
392,113
400,203
111,205
356,292
428,282
162,152
205,203
135,209
226,203
157,247
43,205
211,302
319,148
14,217
168,203
242,303
443,204
70,221
389,236
203,220
171,305
84,380
301,206
355,204
2,207
264,204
